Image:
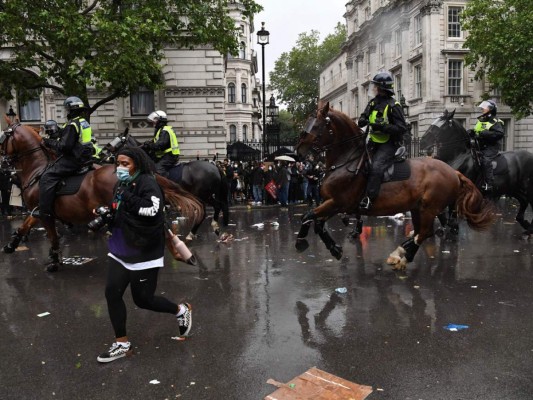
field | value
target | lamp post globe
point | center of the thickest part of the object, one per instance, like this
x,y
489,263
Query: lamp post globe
x,y
263,38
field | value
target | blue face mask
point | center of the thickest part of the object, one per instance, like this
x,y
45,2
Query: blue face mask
x,y
123,174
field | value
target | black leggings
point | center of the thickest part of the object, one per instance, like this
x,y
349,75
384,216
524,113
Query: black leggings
x,y
143,285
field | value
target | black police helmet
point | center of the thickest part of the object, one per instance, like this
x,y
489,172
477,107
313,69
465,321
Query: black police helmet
x,y
384,81
73,103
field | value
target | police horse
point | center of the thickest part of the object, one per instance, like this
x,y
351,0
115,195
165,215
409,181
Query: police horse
x,y
513,170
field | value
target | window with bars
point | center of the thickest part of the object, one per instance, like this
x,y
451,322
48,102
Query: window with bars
x,y
398,85
31,109
454,22
398,43
418,29
244,93
231,93
142,102
418,81
232,133
455,77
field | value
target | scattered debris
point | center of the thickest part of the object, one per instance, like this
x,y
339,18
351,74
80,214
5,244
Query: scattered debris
x,y
225,238
416,287
260,225
155,382
240,239
473,287
22,248
455,327
516,251
44,314
341,290
315,383
274,223
506,303
445,251
77,260
178,338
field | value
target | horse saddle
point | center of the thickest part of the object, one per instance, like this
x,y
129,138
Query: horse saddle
x,y
400,170
71,184
499,164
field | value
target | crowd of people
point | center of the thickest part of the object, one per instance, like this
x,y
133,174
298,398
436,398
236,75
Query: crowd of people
x,y
269,183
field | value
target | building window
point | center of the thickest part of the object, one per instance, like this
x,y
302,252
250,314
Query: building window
x,y
242,51
231,93
245,133
455,77
242,30
398,86
368,10
398,43
356,103
331,74
381,53
414,132
142,102
244,94
323,80
506,127
31,109
340,106
367,62
418,29
454,22
232,133
340,69
418,81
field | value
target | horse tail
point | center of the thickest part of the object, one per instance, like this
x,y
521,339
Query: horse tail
x,y
478,212
179,199
222,197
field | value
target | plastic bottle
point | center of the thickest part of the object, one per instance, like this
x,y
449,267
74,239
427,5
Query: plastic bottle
x,y
182,249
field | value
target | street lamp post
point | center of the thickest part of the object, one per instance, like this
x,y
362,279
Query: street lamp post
x,y
407,140
11,114
272,125
263,37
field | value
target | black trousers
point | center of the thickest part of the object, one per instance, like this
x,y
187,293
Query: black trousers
x,y
6,196
143,284
63,168
382,157
488,154
165,164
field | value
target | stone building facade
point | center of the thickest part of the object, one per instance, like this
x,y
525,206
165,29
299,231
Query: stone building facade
x,y
195,97
421,43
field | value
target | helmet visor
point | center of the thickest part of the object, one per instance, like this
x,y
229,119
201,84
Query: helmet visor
x,y
308,126
486,105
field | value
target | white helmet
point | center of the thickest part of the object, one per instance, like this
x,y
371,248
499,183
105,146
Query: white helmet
x,y
157,116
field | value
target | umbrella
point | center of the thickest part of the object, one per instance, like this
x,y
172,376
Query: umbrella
x,y
285,158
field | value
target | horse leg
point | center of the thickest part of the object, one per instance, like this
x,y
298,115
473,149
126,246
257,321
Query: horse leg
x,y
19,234
334,248
54,254
301,242
443,219
407,250
192,234
525,224
358,228
453,220
214,223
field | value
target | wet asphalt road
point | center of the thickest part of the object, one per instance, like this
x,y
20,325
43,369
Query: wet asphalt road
x,y
262,311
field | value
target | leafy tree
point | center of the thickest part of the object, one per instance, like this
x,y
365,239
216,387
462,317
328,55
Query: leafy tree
x,y
287,128
499,39
296,74
114,46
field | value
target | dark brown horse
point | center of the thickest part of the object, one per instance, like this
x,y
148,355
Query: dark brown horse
x,y
431,187
23,148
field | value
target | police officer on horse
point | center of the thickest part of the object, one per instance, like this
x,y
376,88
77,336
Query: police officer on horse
x,y
74,149
164,147
489,134
386,126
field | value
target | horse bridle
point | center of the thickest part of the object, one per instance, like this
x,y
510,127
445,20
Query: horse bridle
x,y
4,139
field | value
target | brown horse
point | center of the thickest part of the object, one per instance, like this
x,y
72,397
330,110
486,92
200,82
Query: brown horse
x,y
431,187
22,147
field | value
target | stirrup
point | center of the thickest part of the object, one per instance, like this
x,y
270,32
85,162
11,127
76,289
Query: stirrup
x,y
487,188
365,203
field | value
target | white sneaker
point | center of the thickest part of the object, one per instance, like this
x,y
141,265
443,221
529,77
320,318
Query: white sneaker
x,y
116,351
185,320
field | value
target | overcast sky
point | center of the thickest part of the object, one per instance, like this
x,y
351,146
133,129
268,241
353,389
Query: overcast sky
x,y
285,19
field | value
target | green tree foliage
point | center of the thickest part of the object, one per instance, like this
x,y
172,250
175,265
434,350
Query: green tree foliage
x,y
499,38
114,46
296,74
287,127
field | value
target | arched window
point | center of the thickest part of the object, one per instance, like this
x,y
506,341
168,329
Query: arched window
x,y
232,133
245,133
242,51
231,93
244,94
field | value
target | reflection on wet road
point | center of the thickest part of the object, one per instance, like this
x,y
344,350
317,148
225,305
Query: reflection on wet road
x,y
261,310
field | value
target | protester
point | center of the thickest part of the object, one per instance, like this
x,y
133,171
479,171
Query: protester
x,y
258,183
282,182
5,189
136,249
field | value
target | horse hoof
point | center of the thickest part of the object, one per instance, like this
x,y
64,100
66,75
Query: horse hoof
x,y
396,256
301,245
8,249
439,232
190,237
192,261
217,232
336,251
52,268
401,265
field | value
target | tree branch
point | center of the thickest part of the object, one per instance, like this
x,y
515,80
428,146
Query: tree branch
x,y
112,96
45,84
90,8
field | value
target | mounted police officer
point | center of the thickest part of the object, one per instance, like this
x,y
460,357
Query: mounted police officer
x,y
164,147
386,122
489,133
51,129
74,149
